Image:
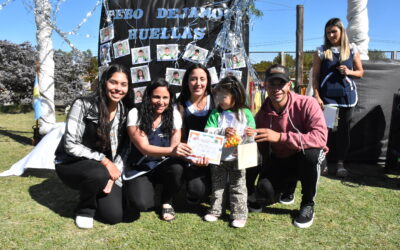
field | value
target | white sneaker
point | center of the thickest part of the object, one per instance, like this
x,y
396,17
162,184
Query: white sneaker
x,y
210,218
84,222
238,223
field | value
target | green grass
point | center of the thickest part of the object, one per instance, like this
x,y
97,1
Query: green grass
x,y
36,212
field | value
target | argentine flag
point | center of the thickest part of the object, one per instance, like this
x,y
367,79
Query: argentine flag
x,y
36,99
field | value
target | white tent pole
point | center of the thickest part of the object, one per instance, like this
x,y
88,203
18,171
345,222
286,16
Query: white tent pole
x,y
46,76
358,25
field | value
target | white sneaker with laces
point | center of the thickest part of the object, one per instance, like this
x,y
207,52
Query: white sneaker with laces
x,y
238,223
210,218
84,222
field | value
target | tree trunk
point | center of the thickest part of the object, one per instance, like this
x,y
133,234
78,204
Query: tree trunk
x,y
46,76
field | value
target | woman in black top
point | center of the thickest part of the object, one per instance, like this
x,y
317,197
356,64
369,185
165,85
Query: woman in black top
x,y
195,104
155,131
90,155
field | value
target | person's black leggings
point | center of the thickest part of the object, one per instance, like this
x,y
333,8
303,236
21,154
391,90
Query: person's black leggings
x,y
340,139
279,175
251,177
140,190
90,177
198,182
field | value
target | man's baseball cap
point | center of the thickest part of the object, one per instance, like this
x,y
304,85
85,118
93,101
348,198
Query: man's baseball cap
x,y
277,71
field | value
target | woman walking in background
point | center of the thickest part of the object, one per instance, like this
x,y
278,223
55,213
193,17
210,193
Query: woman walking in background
x,y
335,65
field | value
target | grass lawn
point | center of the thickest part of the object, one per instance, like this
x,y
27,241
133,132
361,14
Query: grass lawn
x,y
36,212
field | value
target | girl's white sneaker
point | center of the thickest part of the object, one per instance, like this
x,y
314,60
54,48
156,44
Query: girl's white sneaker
x,y
238,223
210,218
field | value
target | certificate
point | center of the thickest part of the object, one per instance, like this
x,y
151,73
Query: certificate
x,y
205,145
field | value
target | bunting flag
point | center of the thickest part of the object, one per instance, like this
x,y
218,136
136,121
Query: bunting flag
x,y
36,99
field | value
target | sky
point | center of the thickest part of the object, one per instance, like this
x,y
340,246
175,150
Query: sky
x,y
274,31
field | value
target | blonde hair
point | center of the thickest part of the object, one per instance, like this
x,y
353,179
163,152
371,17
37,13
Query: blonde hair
x,y
344,41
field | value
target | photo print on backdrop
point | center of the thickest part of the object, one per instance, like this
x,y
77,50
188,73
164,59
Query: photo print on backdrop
x,y
214,75
195,54
235,61
139,91
174,76
167,52
121,48
105,56
107,34
140,55
140,74
231,72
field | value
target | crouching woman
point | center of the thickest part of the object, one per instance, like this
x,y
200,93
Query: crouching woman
x,y
89,157
155,131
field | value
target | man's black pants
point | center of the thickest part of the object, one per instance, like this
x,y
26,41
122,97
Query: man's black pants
x,y
280,175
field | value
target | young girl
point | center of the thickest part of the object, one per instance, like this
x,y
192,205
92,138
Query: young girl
x,y
231,118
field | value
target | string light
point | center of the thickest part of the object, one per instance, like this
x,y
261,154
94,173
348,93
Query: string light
x,y
84,20
58,5
5,3
230,39
62,34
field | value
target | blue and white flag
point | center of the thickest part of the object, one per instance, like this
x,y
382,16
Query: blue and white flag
x,y
36,99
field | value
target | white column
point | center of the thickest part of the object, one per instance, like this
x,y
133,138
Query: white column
x,y
357,30
46,76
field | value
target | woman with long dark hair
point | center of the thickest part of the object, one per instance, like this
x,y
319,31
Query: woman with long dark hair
x,y
335,65
195,105
155,131
90,155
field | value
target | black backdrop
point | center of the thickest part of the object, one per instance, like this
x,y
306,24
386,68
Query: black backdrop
x,y
372,115
150,20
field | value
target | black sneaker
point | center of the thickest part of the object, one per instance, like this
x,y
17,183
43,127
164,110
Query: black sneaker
x,y
286,199
254,207
305,218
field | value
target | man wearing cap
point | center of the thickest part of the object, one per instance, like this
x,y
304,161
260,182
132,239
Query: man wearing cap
x,y
291,136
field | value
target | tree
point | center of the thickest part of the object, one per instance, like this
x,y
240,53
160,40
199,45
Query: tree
x,y
92,68
376,55
262,66
68,77
290,62
17,72
308,60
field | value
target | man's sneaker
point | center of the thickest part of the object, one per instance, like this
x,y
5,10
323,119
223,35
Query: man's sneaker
x,y
286,198
210,218
238,223
305,218
84,222
254,207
